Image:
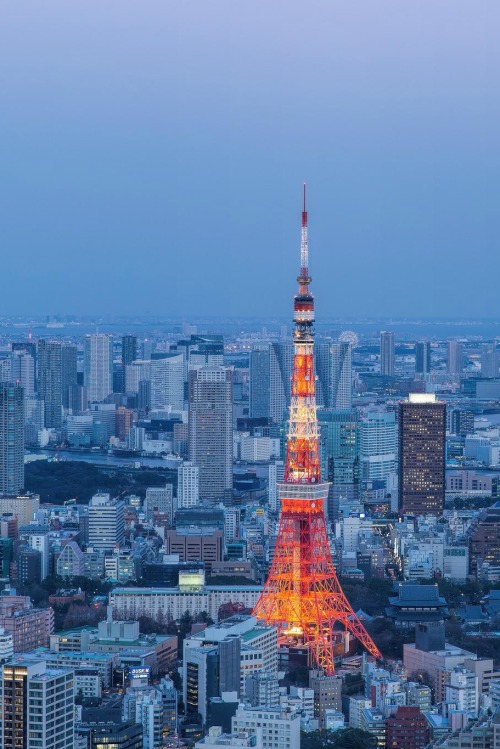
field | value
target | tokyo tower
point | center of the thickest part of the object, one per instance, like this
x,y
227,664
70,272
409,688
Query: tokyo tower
x,y
302,596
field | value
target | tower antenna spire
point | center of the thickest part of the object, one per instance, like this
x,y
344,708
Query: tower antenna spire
x,y
302,596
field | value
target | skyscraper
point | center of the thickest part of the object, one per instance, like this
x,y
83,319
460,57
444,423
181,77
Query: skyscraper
x,y
333,362
387,353
422,430
270,380
378,445
129,349
69,371
22,368
167,381
489,360
98,363
339,456
455,362
50,387
11,438
210,429
423,357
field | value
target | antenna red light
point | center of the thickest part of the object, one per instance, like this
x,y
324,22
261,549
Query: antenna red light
x,y
304,211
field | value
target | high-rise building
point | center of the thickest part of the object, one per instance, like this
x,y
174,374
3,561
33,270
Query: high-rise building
x,y
188,485
167,382
129,349
339,448
69,372
106,522
422,431
387,353
333,363
270,380
50,386
98,366
455,362
37,705
489,360
423,357
22,370
11,438
378,445
211,430
271,377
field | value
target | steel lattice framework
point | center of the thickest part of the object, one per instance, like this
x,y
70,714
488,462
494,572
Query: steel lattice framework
x,y
302,596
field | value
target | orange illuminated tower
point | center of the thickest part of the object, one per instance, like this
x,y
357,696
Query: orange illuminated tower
x,y
302,596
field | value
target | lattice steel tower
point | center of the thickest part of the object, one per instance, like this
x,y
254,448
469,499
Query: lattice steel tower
x,y
302,595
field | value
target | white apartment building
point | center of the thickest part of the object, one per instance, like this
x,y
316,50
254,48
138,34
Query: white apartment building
x,y
280,728
106,522
98,365
188,485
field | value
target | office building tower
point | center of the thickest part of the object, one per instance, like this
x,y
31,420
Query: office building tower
x,y
377,445
129,349
387,353
29,565
211,430
333,366
11,438
270,380
167,382
30,348
69,372
50,387
489,360
106,522
339,448
210,671
22,370
455,362
37,705
271,376
138,371
423,357
188,485
422,430
98,366
78,399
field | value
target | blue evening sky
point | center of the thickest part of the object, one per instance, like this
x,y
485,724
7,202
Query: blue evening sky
x,y
152,155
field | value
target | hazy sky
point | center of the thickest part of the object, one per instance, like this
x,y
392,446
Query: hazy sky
x,y
152,155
